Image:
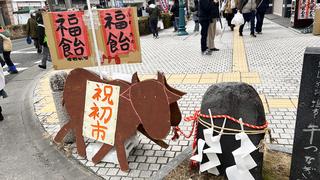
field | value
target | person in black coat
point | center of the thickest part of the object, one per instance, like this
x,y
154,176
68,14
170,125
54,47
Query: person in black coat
x,y
43,42
175,11
262,6
208,9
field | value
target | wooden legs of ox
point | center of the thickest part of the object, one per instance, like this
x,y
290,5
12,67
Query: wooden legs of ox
x,y
81,147
121,153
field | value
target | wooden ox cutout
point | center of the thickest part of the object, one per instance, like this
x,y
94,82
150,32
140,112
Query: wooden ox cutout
x,y
149,106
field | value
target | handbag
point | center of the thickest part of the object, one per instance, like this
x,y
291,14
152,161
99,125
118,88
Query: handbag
x,y
7,45
160,24
29,40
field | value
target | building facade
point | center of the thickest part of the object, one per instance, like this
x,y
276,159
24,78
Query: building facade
x,y
17,11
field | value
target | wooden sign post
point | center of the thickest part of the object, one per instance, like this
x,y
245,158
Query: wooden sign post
x,y
306,146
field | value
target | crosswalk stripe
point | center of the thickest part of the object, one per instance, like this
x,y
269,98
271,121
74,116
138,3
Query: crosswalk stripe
x,y
20,69
24,52
5,66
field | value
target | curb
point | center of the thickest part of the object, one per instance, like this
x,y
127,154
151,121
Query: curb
x,y
45,143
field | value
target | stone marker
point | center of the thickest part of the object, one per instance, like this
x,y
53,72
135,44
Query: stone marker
x,y
306,146
238,100
57,81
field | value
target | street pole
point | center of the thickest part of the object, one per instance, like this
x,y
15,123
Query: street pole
x,y
182,22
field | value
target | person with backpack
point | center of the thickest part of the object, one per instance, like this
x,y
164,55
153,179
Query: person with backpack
x,y
32,31
5,49
43,42
248,10
154,15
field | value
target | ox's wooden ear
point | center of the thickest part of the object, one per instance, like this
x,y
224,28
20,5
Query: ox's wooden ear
x,y
135,78
175,91
172,97
161,78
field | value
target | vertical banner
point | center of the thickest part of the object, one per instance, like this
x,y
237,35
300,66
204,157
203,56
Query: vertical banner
x,y
101,111
306,9
164,5
71,35
118,32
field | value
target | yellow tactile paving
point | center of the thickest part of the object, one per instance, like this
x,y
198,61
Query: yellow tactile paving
x,y
280,103
294,102
231,77
52,119
193,76
177,76
239,56
149,76
48,108
220,78
175,80
265,104
207,81
209,76
190,81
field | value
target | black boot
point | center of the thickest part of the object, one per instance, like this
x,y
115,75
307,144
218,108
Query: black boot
x,y
1,116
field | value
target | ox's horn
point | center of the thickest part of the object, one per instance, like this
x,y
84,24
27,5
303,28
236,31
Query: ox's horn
x,y
161,78
135,78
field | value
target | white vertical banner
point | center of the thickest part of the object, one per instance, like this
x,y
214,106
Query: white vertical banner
x,y
101,112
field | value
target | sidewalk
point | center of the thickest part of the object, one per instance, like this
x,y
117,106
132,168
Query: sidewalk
x,y
272,63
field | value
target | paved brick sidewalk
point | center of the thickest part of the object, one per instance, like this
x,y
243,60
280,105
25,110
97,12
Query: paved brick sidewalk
x,y
272,63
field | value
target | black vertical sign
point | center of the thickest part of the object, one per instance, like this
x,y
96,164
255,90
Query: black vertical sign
x,y
306,146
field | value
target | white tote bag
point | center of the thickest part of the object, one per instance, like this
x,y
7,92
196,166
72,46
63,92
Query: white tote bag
x,y
238,19
160,24
2,79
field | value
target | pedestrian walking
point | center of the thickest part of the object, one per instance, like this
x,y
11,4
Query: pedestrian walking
x,y
208,10
43,42
2,84
262,6
195,16
5,49
230,9
32,31
154,15
248,10
212,26
175,11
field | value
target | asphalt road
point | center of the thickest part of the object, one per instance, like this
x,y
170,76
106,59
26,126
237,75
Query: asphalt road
x,y
23,56
25,151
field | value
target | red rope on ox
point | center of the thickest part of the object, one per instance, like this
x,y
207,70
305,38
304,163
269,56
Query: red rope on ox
x,y
195,117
